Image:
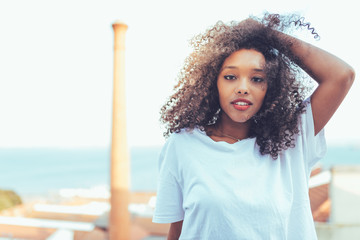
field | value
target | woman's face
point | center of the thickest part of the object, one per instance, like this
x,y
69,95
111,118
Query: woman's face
x,y
242,85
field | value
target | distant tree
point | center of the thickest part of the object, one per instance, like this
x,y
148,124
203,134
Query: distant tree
x,y
8,199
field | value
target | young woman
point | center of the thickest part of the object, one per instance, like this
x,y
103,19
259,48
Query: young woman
x,y
243,138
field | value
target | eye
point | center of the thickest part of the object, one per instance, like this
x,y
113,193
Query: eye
x,y
230,77
257,79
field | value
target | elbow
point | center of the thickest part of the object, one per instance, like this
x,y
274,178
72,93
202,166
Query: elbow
x,y
351,75
348,78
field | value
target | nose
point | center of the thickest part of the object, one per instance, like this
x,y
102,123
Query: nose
x,y
242,87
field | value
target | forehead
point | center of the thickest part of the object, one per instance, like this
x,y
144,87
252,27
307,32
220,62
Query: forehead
x,y
249,58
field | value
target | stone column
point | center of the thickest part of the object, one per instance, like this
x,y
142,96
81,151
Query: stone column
x,y
119,219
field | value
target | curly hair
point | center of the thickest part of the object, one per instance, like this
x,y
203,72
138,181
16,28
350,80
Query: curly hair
x,y
195,102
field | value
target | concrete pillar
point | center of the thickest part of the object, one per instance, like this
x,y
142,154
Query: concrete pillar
x,y
119,221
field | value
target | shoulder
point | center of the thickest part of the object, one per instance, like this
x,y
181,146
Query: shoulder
x,y
178,140
183,136
306,118
186,139
312,145
175,148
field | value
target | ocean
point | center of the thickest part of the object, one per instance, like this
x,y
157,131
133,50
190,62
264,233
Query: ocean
x,y
43,171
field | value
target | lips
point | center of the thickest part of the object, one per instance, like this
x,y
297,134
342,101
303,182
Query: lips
x,y
241,104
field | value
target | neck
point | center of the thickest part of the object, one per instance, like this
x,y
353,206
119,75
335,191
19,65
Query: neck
x,y
227,127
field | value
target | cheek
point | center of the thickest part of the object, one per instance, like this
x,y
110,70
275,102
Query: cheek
x,y
221,100
225,88
221,90
261,94
264,88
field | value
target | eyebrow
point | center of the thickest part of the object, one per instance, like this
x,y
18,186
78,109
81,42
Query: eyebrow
x,y
234,67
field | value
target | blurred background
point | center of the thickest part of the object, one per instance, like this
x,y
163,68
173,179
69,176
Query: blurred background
x,y
56,76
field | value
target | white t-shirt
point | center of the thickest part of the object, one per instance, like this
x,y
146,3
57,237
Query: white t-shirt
x,y
231,191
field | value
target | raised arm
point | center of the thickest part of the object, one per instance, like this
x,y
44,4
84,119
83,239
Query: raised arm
x,y
333,75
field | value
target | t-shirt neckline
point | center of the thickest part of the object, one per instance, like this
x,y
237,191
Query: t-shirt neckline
x,y
209,139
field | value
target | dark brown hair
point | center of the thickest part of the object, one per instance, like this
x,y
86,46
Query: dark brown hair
x,y
195,102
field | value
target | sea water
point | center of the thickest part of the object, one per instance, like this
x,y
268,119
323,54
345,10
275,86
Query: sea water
x,y
41,171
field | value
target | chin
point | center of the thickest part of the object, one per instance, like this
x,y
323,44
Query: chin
x,y
242,119
237,117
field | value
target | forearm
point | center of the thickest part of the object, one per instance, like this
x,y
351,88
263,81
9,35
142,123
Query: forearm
x,y
321,65
334,76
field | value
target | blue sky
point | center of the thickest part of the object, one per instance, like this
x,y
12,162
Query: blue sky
x,y
56,64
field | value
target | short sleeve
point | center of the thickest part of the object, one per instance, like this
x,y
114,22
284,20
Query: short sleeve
x,y
314,146
169,199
